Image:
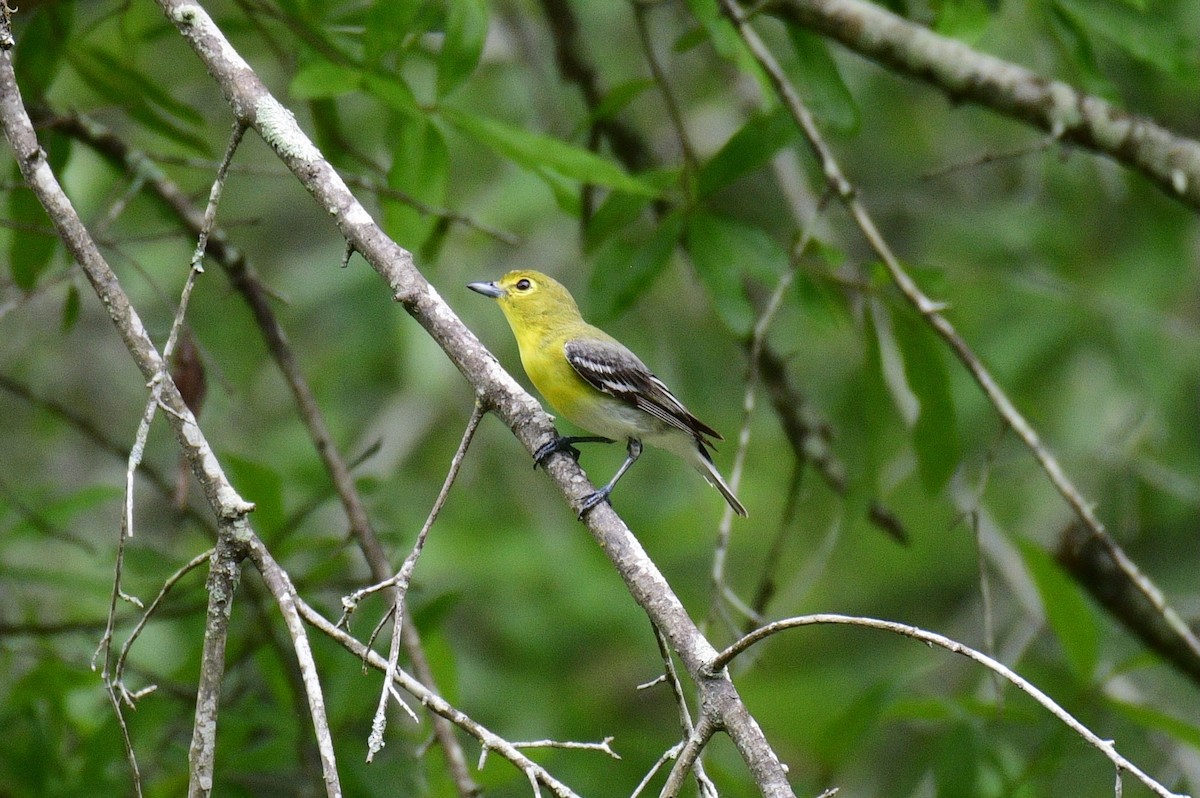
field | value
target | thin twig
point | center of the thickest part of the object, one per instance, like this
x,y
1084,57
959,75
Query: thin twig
x,y
137,451
289,602
1106,747
603,747
436,703
172,580
640,12
126,741
224,500
696,764
749,400
666,757
224,572
403,578
931,311
100,228
1041,145
258,296
688,758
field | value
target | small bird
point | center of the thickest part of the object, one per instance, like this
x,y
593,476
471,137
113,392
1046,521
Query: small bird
x,y
594,381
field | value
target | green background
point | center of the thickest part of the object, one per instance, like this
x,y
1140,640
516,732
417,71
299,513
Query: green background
x,y
1074,280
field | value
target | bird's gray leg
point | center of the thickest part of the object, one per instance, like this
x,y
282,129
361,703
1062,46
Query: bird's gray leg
x,y
634,449
565,443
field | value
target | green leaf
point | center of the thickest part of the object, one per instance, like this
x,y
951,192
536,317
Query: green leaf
x,y
935,433
33,244
1067,611
321,79
328,131
618,211
817,77
566,192
843,735
1075,39
618,98
1156,39
421,169
690,39
260,484
466,30
59,513
965,20
127,88
747,150
623,270
392,92
127,77
956,762
725,252
70,314
391,27
538,151
869,425
891,364
30,250
1151,718
819,298
443,663
39,51
725,38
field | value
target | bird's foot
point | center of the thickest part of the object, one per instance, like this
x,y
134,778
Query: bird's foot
x,y
560,444
592,499
565,444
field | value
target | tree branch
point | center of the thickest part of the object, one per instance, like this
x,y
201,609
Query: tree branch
x,y
223,575
255,106
1170,161
229,507
932,313
246,280
1106,747
487,738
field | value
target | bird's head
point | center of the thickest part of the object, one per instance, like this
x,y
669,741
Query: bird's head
x,y
527,295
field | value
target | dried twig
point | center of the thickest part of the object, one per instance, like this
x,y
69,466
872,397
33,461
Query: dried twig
x,y
249,97
932,313
964,74
258,298
487,738
403,578
1106,747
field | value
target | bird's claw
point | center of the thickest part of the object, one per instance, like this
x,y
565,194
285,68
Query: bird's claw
x,y
553,447
591,500
566,444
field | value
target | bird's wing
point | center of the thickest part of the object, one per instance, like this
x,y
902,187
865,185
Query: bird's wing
x,y
611,368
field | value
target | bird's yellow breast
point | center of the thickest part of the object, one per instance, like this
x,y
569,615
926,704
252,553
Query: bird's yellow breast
x,y
572,397
553,376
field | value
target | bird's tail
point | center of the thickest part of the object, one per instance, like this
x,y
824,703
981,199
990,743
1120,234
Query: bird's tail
x,y
708,470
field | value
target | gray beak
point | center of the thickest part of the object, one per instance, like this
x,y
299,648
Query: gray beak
x,y
487,289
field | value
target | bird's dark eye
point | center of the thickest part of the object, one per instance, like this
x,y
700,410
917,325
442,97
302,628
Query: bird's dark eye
x,y
523,285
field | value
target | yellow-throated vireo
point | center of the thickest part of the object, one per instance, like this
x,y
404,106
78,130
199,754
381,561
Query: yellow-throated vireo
x,y
594,381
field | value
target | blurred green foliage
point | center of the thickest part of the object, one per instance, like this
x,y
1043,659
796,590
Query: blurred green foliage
x,y
1075,281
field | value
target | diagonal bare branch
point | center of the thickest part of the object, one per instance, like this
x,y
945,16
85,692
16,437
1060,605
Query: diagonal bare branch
x,y
231,509
932,312
1169,160
1106,747
253,104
